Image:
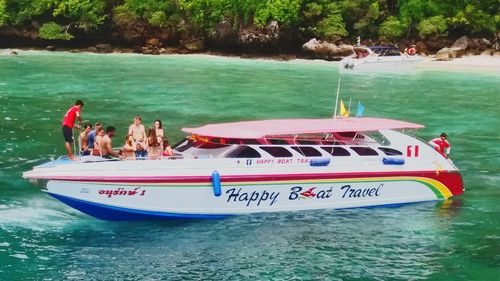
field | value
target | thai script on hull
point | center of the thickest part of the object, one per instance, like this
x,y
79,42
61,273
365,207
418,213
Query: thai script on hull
x,y
121,191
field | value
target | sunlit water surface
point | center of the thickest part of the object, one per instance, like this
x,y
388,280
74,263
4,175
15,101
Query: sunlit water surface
x,y
42,239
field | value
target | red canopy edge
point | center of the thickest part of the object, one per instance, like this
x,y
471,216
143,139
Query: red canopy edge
x,y
263,128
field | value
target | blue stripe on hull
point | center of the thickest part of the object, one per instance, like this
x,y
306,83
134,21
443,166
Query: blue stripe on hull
x,y
111,213
105,212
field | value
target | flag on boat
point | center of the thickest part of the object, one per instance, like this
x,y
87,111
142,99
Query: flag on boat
x,y
361,108
343,111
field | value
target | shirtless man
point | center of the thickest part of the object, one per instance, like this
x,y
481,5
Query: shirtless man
x,y
68,124
106,144
138,132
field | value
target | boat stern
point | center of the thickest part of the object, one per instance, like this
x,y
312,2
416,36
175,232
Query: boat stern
x,y
453,181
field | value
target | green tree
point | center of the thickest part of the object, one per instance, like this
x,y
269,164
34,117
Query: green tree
x,y
205,14
331,28
431,26
362,17
83,14
367,25
412,12
391,29
323,19
286,12
156,13
53,31
3,12
20,12
475,18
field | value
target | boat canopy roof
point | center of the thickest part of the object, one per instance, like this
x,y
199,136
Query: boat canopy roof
x,y
277,127
383,48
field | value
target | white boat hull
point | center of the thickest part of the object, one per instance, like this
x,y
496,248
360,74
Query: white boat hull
x,y
122,201
218,187
376,64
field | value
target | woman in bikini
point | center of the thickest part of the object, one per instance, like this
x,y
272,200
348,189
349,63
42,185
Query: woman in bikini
x,y
99,135
128,150
154,148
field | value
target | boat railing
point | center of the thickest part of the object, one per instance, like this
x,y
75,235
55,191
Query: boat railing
x,y
89,159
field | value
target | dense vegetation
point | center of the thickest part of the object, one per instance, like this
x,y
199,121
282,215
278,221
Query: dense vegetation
x,y
175,20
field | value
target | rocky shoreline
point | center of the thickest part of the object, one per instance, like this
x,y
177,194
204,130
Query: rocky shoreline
x,y
312,49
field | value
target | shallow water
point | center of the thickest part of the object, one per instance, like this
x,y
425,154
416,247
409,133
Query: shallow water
x,y
42,239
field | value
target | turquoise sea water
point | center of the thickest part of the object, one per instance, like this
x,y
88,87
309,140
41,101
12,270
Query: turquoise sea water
x,y
42,239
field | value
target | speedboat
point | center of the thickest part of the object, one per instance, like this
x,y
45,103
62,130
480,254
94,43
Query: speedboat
x,y
238,168
379,58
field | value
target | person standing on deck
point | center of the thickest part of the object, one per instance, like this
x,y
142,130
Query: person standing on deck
x,y
159,131
84,145
442,145
68,124
138,132
92,135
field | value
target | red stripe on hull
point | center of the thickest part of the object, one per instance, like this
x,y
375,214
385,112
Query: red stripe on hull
x,y
451,179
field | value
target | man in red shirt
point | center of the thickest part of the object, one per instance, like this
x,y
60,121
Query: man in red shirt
x,y
411,50
68,124
442,145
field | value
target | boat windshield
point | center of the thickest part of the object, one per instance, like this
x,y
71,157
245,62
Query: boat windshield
x,y
385,51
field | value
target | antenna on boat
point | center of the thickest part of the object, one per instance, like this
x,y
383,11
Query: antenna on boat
x,y
337,99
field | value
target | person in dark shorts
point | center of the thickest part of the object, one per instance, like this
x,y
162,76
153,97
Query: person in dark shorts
x,y
68,124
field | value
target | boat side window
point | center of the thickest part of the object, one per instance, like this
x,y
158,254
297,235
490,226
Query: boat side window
x,y
336,151
351,135
306,142
250,141
335,142
390,151
364,151
244,152
232,141
276,151
307,151
278,141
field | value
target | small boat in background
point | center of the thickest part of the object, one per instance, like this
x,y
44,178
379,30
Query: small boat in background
x,y
379,58
237,168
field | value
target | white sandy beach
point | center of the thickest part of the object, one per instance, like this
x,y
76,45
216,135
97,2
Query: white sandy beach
x,y
467,63
485,64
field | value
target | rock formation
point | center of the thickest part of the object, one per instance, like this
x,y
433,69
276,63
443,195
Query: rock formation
x,y
326,50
